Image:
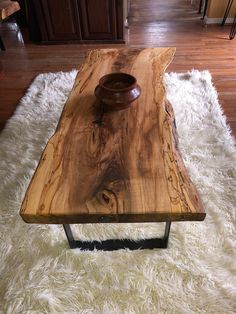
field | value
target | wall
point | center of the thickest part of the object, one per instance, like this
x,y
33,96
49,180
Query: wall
x,y
216,8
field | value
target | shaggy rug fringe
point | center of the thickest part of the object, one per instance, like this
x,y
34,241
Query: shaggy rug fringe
x,y
39,274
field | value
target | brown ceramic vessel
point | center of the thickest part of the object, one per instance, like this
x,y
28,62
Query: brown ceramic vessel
x,y
117,91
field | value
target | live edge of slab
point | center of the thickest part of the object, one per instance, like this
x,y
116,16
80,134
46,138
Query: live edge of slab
x,y
126,170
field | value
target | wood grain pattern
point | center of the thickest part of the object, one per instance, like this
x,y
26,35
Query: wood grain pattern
x,y
126,170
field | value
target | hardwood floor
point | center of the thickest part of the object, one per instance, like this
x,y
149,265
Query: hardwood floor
x,y
157,11
153,23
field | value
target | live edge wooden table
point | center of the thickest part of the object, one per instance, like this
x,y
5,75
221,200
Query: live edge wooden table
x,y
127,169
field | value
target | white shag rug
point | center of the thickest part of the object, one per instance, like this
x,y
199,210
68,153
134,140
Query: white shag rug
x,y
196,274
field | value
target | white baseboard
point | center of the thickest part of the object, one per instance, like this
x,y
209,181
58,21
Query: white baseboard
x,y
210,20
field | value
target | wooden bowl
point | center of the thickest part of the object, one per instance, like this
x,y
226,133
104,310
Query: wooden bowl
x,y
117,91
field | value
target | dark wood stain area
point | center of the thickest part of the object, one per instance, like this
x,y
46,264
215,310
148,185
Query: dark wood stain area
x,y
92,25
60,24
77,21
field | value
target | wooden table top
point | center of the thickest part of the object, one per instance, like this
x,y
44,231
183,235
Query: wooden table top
x,y
126,170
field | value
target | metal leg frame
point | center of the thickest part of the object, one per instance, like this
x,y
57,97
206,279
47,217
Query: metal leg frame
x,y
117,244
233,29
229,5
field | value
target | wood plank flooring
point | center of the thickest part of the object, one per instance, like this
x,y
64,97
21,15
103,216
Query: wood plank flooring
x,y
153,23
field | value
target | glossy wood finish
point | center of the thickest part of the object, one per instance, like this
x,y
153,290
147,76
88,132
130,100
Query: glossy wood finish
x,y
58,21
126,169
152,23
98,26
77,20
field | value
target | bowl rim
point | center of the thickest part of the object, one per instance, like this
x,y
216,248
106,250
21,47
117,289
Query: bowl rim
x,y
104,78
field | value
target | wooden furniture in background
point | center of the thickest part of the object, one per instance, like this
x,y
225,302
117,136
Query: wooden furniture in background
x,y
127,169
77,20
7,8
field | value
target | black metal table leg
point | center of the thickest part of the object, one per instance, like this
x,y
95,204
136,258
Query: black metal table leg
x,y
229,5
233,29
2,47
69,236
118,244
